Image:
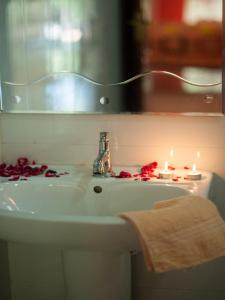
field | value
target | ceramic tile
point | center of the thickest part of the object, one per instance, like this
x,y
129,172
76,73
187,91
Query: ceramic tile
x,y
78,130
125,130
33,152
129,138
51,154
211,159
26,128
168,131
148,294
206,277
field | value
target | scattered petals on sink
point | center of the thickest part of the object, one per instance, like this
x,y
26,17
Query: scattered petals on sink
x,y
145,179
149,169
175,179
51,173
146,172
124,174
26,169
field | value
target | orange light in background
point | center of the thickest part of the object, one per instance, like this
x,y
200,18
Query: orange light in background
x,y
163,10
171,153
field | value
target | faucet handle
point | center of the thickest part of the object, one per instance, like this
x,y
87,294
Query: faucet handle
x,y
104,135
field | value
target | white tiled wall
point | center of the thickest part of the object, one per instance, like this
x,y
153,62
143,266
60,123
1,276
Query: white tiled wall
x,y
135,139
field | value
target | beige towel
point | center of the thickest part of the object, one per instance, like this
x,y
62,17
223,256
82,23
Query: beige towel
x,y
179,233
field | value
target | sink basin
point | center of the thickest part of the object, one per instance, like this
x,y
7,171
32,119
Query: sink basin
x,y
67,213
55,200
71,213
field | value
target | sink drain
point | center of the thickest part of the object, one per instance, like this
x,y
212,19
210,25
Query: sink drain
x,y
97,189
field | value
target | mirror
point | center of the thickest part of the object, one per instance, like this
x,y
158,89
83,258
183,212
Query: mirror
x,y
45,45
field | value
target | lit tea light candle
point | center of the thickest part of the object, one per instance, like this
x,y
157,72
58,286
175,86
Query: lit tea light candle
x,y
194,174
166,173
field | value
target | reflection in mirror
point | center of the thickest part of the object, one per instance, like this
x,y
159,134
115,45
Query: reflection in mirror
x,y
184,38
110,41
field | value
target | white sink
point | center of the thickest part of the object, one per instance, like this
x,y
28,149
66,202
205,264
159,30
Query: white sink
x,y
67,212
54,200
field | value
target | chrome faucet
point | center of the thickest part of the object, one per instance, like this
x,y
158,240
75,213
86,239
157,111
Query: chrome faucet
x,y
102,164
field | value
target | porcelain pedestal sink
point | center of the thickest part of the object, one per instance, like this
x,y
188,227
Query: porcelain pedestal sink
x,y
96,243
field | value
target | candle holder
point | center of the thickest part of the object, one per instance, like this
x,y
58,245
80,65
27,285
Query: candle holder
x,y
194,174
166,173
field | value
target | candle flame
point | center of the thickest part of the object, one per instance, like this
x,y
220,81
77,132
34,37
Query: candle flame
x,y
194,168
166,166
198,154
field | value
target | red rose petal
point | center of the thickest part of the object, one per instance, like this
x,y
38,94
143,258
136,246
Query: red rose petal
x,y
49,175
44,167
6,174
145,179
171,168
14,178
27,174
124,174
22,161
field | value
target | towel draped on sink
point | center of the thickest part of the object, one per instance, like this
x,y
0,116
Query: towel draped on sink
x,y
179,233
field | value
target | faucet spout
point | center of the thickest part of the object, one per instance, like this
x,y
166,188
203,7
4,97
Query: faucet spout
x,y
102,164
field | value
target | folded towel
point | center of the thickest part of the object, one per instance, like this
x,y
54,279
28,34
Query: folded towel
x,y
179,233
